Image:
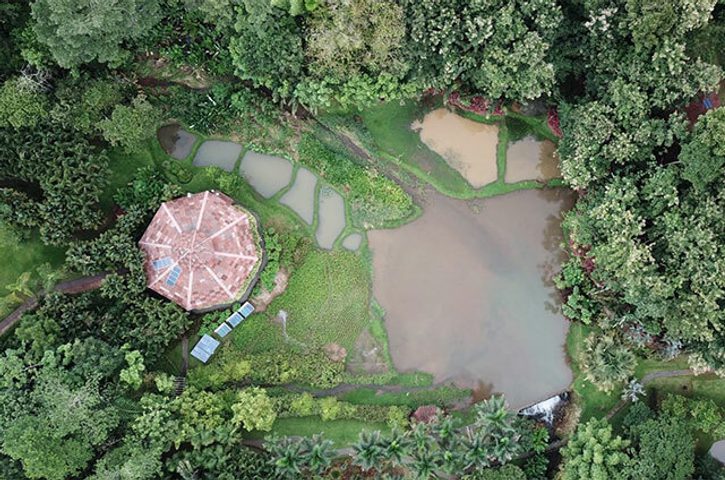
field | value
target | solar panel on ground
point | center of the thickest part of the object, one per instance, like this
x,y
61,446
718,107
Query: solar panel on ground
x,y
235,319
246,309
707,102
204,348
223,330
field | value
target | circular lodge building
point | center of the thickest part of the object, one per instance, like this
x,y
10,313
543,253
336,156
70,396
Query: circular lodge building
x,y
202,251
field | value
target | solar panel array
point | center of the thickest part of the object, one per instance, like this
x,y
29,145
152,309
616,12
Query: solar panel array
x,y
235,319
205,348
246,309
207,345
173,276
161,263
223,330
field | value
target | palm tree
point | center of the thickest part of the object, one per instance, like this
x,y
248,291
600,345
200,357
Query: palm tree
x,y
395,447
476,451
286,455
607,362
424,464
318,454
368,452
446,431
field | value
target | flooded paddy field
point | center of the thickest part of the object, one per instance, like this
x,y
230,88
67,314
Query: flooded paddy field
x,y
218,153
531,159
468,294
467,146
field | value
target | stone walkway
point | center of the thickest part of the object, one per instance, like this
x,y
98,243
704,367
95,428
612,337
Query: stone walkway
x,y
306,194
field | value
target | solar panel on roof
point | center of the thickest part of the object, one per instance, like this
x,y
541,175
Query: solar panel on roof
x,y
235,319
246,309
223,330
161,263
173,276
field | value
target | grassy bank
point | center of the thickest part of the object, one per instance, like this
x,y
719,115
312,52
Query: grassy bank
x,y
385,130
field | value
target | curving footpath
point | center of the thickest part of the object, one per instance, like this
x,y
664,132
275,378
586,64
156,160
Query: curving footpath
x,y
78,285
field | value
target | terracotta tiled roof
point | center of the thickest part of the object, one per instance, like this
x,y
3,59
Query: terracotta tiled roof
x,y
201,251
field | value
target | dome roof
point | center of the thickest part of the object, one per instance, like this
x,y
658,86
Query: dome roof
x,y
202,251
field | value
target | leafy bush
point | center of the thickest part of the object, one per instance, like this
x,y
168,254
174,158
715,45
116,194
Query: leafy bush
x,y
375,198
330,408
204,111
303,405
254,410
130,126
312,368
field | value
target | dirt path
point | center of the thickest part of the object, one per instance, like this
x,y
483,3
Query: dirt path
x,y
645,380
78,285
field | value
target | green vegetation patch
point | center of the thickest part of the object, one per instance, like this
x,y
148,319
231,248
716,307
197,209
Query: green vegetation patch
x,y
341,432
327,300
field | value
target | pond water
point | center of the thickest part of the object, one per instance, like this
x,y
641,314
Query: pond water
x,y
301,196
331,217
218,153
176,141
352,242
467,146
266,173
717,451
531,159
468,294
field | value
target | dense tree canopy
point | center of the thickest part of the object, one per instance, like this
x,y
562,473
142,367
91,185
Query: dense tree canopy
x,y
78,32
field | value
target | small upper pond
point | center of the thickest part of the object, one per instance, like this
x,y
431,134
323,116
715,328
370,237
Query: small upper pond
x,y
301,196
531,159
176,141
331,220
467,146
468,295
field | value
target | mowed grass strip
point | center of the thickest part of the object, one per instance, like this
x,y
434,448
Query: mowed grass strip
x,y
343,433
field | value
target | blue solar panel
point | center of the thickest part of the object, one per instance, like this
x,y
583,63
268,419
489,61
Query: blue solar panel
x,y
707,103
223,330
246,309
173,276
161,263
204,349
235,319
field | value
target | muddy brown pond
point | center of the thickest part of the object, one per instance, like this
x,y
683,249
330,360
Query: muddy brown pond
x,y
468,294
467,146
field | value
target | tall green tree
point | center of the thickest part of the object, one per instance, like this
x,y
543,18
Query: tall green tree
x,y
84,31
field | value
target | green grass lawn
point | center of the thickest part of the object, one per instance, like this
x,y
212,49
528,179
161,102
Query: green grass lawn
x,y
343,433
441,396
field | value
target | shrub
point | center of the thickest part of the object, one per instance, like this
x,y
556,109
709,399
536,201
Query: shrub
x,y
374,197
330,408
312,368
254,410
164,383
130,126
303,405
397,417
